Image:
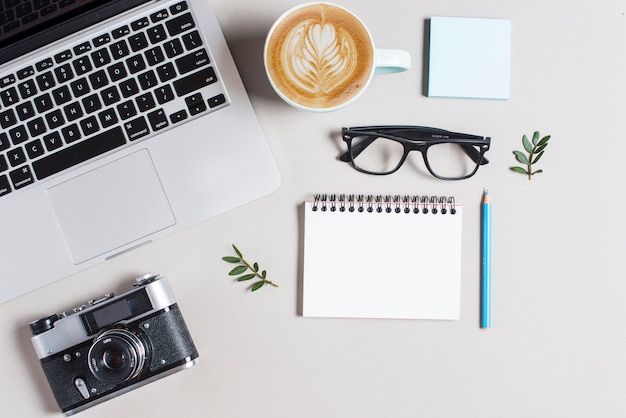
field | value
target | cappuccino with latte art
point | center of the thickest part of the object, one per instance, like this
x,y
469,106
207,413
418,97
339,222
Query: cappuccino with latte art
x,y
319,56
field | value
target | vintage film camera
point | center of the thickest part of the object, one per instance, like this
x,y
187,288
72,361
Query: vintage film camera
x,y
113,345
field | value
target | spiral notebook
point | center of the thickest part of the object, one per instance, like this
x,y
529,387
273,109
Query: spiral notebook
x,y
382,257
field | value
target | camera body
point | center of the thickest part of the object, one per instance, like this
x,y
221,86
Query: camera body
x,y
113,345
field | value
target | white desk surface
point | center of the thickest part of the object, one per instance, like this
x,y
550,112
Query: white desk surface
x,y
558,343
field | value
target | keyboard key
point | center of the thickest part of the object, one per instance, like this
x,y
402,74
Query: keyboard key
x,y
119,49
25,72
63,56
101,40
9,96
110,95
4,141
135,64
82,48
126,110
179,116
192,40
107,118
34,149
145,102
70,133
192,61
18,134
73,111
25,111
216,101
140,24
98,79
7,118
7,80
45,81
156,34
195,104
100,57
27,89
129,87
92,103
195,81
80,87
117,71
136,128
16,156
147,80
138,41
120,32
44,64
36,127
164,94
82,65
158,120
154,56
180,24
179,7
21,177
173,48
61,95
43,103
5,187
166,72
78,153
158,16
52,141
89,125
64,73
55,119
4,166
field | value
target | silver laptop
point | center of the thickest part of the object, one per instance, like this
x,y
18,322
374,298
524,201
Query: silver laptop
x,y
121,121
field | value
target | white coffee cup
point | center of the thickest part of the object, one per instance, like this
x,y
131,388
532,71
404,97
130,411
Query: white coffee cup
x,y
321,57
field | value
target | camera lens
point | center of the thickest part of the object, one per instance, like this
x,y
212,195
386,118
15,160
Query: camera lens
x,y
118,355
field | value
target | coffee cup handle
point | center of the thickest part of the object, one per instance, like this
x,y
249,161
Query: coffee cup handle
x,y
391,61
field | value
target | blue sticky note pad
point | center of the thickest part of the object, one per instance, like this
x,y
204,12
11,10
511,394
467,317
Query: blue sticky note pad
x,y
469,58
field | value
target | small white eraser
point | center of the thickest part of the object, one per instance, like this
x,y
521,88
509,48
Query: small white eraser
x,y
469,58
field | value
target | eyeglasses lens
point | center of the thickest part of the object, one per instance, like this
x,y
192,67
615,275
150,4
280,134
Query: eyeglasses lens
x,y
375,154
450,160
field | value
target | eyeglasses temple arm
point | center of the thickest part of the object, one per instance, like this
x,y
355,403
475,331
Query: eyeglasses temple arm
x,y
357,149
474,155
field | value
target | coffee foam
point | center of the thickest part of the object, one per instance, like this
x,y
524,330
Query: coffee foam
x,y
320,56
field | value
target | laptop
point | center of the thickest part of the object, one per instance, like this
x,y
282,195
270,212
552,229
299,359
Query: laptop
x,y
121,121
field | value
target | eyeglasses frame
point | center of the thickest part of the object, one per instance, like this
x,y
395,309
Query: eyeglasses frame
x,y
415,138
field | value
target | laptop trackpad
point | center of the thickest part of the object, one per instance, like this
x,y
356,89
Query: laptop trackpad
x,y
111,206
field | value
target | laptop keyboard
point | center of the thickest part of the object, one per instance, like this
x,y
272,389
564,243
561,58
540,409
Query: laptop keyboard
x,y
104,93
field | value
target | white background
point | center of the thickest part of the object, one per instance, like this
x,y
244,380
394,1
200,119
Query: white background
x,y
558,343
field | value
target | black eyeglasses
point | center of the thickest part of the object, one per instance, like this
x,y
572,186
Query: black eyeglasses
x,y
383,149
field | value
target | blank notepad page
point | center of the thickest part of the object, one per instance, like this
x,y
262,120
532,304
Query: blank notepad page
x,y
393,261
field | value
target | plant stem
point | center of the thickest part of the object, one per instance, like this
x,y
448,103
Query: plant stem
x,y
243,260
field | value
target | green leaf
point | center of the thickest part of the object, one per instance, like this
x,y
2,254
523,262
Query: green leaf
x,y
544,140
540,148
536,137
520,157
264,274
257,286
231,259
519,170
537,172
537,157
527,145
256,267
237,270
246,277
237,251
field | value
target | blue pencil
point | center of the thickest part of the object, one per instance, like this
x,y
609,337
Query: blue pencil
x,y
485,283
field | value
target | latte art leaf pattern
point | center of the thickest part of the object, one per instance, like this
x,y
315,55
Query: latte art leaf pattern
x,y
319,57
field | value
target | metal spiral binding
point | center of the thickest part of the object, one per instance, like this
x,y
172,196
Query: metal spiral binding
x,y
415,204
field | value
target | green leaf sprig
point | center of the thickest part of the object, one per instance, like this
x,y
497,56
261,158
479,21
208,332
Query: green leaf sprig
x,y
535,150
246,266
